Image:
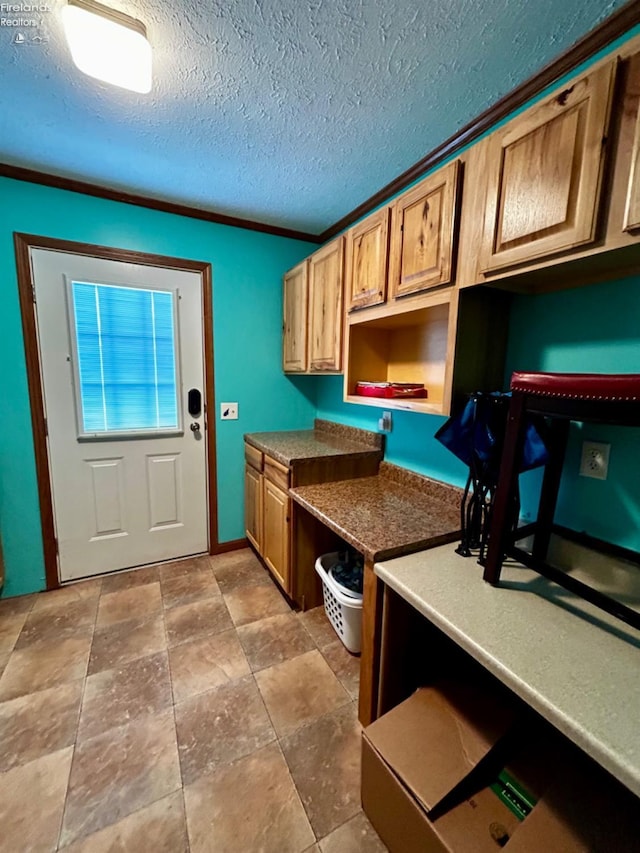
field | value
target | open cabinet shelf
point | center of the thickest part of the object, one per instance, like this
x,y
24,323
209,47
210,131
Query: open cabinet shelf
x,y
451,342
410,346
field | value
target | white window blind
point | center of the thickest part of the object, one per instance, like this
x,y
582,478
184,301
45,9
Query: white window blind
x,y
126,358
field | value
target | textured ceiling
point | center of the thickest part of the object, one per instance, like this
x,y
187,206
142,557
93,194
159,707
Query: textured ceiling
x,y
290,112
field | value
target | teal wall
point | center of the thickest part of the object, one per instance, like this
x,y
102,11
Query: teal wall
x,y
410,443
247,302
589,329
586,329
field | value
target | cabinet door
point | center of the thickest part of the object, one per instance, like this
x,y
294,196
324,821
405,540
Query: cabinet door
x,y
294,329
545,171
276,532
632,208
326,319
253,506
423,228
367,253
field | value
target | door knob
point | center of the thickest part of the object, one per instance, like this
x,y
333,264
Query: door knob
x,y
195,427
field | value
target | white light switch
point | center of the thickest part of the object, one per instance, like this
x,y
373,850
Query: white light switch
x,y
229,411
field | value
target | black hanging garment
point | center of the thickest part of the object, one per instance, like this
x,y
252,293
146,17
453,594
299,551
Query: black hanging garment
x,y
476,437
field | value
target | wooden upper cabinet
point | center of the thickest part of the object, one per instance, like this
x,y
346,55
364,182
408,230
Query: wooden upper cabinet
x,y
326,318
544,174
423,231
632,207
294,330
367,260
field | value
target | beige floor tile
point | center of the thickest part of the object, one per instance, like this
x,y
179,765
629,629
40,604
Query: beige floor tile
x,y
196,620
180,568
31,802
355,836
238,570
317,624
202,562
11,625
345,665
140,601
58,622
220,726
17,604
158,828
129,579
273,640
43,665
250,805
119,772
116,644
128,692
252,603
38,724
185,589
124,788
232,558
299,691
201,665
67,594
324,759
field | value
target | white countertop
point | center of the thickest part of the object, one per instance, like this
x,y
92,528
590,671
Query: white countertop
x,y
574,664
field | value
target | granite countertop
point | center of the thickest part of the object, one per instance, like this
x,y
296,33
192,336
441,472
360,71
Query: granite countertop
x,y
325,439
393,513
570,661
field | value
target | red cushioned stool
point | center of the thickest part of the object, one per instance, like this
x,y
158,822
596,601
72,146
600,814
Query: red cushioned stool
x,y
561,397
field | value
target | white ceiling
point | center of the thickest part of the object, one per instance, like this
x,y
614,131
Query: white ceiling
x,y
289,112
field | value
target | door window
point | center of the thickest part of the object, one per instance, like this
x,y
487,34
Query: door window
x,y
124,359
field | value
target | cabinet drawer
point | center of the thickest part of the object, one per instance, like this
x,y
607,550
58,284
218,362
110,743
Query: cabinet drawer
x,y
276,472
253,457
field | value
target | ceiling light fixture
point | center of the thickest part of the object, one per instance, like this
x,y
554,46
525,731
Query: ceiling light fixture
x,y
108,45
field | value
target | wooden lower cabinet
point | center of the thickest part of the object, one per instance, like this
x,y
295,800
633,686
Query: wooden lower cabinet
x,y
288,538
267,513
276,533
253,506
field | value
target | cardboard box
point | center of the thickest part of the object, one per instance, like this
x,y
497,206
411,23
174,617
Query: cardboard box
x,y
427,768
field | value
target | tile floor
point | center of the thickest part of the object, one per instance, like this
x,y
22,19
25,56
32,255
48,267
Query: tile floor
x,y
175,708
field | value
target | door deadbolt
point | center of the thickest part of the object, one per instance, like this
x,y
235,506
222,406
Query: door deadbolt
x,y
194,403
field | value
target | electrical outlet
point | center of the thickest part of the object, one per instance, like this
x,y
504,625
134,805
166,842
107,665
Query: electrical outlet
x,y
229,411
595,460
385,422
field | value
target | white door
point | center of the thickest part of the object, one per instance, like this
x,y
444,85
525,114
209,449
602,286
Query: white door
x,y
121,353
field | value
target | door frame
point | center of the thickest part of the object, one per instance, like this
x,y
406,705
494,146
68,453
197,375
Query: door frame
x,y
26,288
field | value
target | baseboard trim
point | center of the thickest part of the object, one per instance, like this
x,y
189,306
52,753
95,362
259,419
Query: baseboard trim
x,y
225,547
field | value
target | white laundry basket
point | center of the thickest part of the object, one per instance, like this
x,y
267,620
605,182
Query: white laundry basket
x,y
343,607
